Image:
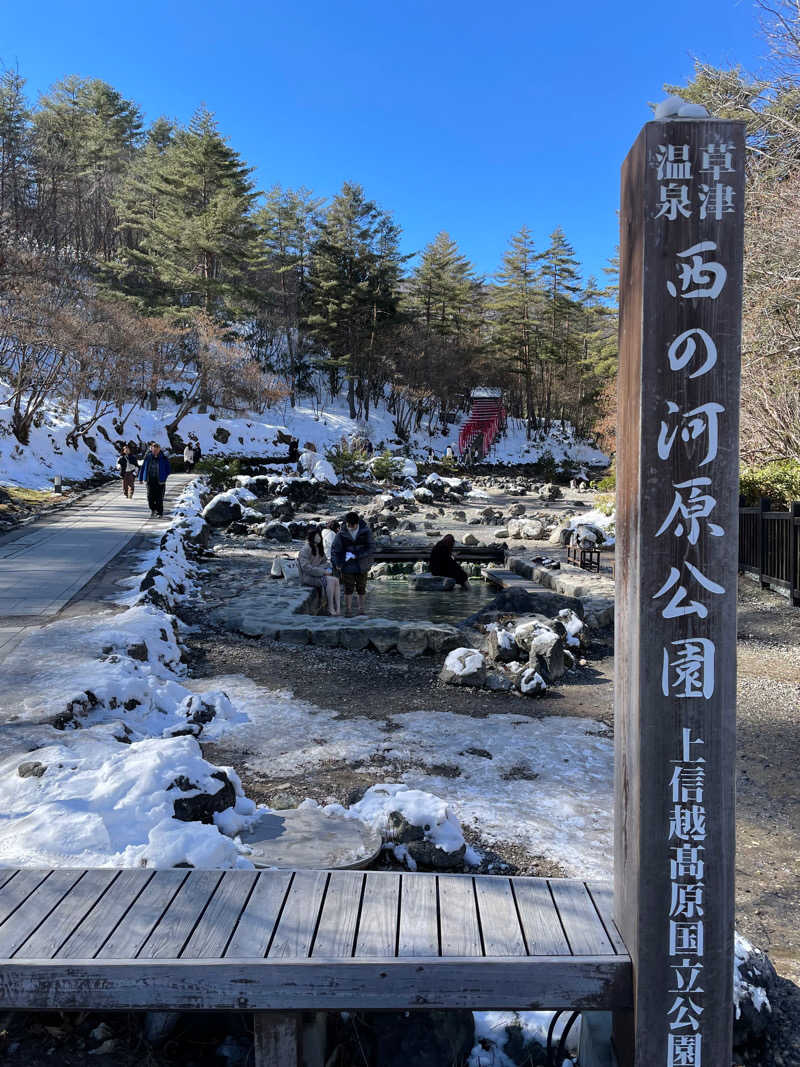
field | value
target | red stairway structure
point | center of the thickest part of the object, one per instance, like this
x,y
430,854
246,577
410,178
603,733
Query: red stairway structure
x,y
487,419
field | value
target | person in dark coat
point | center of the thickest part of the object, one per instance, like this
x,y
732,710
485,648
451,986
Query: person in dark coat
x,y
127,468
442,563
154,472
352,553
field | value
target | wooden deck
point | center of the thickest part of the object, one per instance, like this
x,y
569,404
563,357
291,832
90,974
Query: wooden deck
x,y
301,940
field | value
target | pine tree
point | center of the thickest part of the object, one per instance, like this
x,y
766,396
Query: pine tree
x,y
518,307
354,281
559,278
15,163
188,207
445,299
85,136
287,225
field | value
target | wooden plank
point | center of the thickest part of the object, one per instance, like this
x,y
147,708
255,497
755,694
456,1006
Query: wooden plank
x,y
579,918
30,915
603,896
184,912
339,920
17,889
539,916
500,927
419,916
275,1039
253,932
377,927
93,931
68,914
132,932
6,874
591,983
676,576
458,916
298,921
212,933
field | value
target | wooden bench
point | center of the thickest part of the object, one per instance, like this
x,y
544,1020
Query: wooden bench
x,y
588,559
284,942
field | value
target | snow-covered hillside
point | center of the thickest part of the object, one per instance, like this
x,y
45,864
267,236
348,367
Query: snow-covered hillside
x,y
35,465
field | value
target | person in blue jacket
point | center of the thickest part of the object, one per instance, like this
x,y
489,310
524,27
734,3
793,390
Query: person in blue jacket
x,y
154,472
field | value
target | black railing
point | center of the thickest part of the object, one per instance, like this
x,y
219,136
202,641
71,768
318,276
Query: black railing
x,y
769,547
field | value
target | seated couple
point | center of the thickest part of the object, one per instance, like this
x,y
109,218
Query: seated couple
x,y
351,553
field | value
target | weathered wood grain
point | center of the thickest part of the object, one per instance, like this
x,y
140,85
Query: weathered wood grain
x,y
295,930
579,918
377,927
458,915
339,920
276,1040
68,914
219,919
183,913
540,923
603,897
17,889
419,917
254,930
500,927
129,936
96,927
676,573
522,983
35,909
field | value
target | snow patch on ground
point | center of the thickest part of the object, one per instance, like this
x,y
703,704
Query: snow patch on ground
x,y
548,786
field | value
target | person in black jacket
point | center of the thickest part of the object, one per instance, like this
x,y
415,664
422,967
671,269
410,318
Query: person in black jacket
x,y
352,553
442,563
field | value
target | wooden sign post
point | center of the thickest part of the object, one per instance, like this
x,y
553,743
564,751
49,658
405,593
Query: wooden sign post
x,y
676,575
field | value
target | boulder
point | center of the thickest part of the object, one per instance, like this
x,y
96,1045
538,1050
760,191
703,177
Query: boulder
x,y
550,492
429,856
517,509
31,769
355,638
221,510
502,646
201,806
384,638
498,682
277,531
755,984
281,508
547,655
412,640
534,530
525,602
423,495
464,666
460,516
531,683
443,638
471,540
431,583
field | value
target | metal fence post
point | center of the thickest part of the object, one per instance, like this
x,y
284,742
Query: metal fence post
x,y
763,544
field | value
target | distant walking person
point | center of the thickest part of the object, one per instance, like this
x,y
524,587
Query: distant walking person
x,y
127,468
352,554
155,471
188,457
449,453
442,563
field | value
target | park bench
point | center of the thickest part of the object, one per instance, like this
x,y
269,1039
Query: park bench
x,y
588,559
277,943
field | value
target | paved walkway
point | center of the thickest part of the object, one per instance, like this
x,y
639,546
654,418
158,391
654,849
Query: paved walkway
x,y
43,566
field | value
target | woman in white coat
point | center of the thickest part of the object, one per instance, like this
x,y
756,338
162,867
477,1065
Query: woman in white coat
x,y
315,570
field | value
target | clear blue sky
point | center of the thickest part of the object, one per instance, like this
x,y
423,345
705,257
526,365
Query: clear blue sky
x,y
475,118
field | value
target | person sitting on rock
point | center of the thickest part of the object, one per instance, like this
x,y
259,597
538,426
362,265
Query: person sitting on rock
x,y
315,570
442,563
352,555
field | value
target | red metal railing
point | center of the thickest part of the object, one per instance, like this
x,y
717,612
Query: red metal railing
x,y
484,425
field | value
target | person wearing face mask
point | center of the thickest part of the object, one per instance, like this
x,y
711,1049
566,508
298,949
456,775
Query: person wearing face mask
x,y
352,555
315,570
